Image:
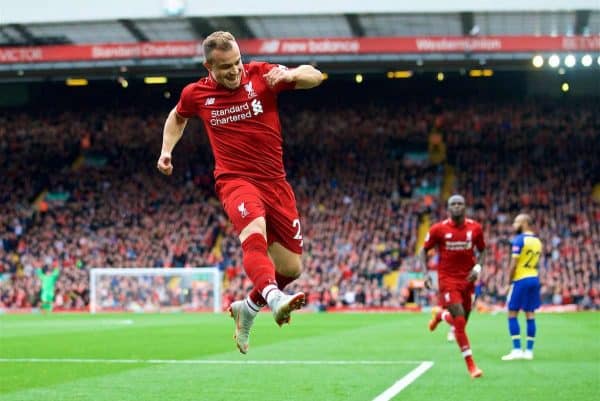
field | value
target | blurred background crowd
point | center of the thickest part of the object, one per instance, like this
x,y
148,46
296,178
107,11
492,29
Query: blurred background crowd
x,y
80,190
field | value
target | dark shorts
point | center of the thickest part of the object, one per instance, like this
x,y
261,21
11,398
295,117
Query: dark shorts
x,y
245,200
524,295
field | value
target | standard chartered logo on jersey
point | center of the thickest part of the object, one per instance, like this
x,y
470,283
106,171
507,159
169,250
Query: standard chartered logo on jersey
x,y
458,245
461,245
236,113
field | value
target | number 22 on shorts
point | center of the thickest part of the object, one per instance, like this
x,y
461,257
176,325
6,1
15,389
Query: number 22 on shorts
x,y
298,236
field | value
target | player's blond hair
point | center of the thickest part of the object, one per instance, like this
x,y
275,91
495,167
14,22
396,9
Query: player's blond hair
x,y
219,40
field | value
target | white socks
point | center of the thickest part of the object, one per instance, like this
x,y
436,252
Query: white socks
x,y
251,306
270,292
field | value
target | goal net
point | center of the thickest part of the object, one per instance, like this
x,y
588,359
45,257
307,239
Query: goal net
x,y
155,289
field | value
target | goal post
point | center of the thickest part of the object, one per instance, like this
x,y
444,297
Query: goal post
x,y
155,289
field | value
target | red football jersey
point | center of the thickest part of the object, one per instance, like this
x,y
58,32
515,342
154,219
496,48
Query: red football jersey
x,y
456,247
242,124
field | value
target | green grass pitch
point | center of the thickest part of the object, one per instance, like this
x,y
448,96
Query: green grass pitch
x,y
154,357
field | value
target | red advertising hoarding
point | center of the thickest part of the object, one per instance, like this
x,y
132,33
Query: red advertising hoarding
x,y
305,46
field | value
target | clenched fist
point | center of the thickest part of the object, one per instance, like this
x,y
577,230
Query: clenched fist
x,y
277,75
164,164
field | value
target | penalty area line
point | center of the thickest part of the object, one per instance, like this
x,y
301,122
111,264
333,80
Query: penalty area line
x,y
202,361
404,382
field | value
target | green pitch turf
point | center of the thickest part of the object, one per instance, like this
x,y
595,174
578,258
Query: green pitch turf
x,y
346,357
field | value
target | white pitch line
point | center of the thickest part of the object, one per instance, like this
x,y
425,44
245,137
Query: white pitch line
x,y
404,382
200,361
67,323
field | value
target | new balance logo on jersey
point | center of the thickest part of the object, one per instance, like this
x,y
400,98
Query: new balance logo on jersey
x,y
257,107
243,211
448,235
209,101
250,90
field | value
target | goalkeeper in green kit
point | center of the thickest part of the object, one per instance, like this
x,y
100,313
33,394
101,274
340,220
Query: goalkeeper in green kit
x,y
48,280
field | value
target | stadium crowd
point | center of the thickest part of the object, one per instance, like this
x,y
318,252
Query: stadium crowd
x,y
359,195
541,158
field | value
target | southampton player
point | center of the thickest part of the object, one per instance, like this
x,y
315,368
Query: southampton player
x,y
524,293
238,105
456,239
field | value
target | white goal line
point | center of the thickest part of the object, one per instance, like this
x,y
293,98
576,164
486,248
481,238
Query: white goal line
x,y
206,361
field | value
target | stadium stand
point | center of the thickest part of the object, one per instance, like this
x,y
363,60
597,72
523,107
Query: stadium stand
x,y
360,186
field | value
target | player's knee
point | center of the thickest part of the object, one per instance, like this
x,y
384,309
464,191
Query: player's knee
x,y
256,226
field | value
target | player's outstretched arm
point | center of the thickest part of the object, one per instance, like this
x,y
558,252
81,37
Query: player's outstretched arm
x,y
305,76
172,132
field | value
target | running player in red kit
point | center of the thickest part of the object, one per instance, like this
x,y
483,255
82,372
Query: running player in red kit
x,y
456,239
238,105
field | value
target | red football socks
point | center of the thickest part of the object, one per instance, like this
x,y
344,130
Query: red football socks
x,y
257,264
255,295
257,298
445,315
462,340
461,335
